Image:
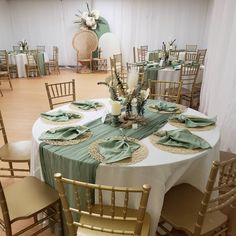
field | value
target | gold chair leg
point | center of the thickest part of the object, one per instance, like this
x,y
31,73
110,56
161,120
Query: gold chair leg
x,y
11,168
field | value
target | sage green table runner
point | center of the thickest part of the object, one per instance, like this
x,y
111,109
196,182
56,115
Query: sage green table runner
x,y
60,116
74,162
193,122
40,59
182,138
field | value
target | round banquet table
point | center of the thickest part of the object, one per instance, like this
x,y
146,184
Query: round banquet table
x,y
161,169
20,60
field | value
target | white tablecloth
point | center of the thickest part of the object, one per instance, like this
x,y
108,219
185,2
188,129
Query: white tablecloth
x,y
160,169
169,74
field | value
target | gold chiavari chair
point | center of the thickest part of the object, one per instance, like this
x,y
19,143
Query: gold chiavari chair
x,y
141,54
118,62
191,48
31,67
191,56
173,55
134,54
200,212
13,154
188,76
13,71
165,90
60,93
99,219
201,56
4,68
53,63
25,199
119,69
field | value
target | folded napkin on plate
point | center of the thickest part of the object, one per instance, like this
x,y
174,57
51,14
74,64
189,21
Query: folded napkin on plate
x,y
64,133
192,122
182,138
87,105
164,106
59,116
114,149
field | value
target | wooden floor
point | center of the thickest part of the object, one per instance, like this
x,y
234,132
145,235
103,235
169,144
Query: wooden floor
x,y
22,106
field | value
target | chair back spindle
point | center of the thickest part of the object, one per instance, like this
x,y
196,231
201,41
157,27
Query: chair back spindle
x,y
60,93
99,210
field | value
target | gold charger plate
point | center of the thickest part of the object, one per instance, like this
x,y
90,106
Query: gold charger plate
x,y
71,121
180,107
80,139
72,106
176,150
138,155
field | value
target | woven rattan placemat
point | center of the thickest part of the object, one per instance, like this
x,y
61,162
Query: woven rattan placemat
x,y
80,139
181,109
177,150
182,125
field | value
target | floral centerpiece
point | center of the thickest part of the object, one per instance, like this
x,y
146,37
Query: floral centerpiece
x,y
23,45
89,19
166,48
132,97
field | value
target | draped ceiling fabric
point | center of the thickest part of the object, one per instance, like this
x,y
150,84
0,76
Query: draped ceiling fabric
x,y
219,85
135,22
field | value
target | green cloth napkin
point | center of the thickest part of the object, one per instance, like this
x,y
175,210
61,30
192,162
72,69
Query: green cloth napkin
x,y
182,138
64,133
164,106
59,116
177,64
87,105
113,149
192,122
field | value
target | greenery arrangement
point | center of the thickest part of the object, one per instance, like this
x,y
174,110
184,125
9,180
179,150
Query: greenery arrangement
x,y
23,44
89,19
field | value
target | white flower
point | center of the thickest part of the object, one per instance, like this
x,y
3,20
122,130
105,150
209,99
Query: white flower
x,y
95,14
90,21
132,79
84,15
94,27
144,94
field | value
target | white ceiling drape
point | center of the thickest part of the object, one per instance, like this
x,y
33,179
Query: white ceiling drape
x,y
218,93
135,22
150,22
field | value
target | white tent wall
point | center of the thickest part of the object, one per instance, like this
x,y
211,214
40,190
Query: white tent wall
x,y
135,22
5,26
150,22
219,83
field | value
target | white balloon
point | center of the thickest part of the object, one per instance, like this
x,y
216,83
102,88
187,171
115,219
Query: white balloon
x,y
109,45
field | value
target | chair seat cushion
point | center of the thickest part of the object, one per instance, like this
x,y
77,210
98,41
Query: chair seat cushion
x,y
17,151
28,196
181,206
111,224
